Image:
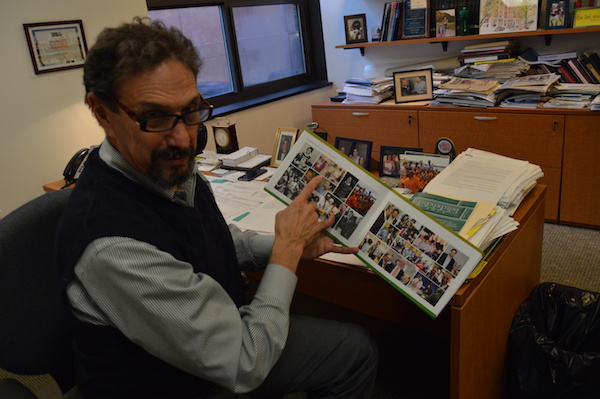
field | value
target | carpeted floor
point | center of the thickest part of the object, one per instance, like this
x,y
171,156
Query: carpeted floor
x,y
571,256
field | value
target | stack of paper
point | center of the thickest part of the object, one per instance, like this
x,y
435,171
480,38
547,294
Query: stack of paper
x,y
572,95
500,71
526,91
368,90
495,182
467,92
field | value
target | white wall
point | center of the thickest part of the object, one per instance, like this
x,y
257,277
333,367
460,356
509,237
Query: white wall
x,y
43,117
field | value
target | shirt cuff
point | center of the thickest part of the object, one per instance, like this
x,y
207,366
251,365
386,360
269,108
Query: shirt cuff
x,y
278,282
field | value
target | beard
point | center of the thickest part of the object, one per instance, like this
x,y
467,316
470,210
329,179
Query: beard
x,y
172,177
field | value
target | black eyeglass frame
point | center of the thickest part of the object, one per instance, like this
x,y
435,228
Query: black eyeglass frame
x,y
143,121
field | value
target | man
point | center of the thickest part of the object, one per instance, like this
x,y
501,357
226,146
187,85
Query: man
x,y
447,259
420,86
284,149
150,272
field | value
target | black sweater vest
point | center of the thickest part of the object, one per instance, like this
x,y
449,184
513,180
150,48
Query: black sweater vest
x,y
105,203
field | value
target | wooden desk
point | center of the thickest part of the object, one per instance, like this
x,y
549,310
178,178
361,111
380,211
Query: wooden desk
x,y
479,317
56,185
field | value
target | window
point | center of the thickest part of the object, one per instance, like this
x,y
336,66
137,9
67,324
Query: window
x,y
253,52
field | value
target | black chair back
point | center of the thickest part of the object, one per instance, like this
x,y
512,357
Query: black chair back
x,y
34,337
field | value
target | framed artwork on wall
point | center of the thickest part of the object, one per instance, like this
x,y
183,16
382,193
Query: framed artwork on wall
x,y
56,46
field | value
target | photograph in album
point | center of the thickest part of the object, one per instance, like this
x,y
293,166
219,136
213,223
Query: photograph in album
x,y
397,240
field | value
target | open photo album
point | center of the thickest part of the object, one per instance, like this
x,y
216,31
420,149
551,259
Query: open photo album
x,y
397,240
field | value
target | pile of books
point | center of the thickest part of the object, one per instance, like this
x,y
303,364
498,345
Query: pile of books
x,y
526,91
488,52
368,90
466,92
573,66
572,95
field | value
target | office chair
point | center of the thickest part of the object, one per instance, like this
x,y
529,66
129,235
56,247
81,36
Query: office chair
x,y
34,338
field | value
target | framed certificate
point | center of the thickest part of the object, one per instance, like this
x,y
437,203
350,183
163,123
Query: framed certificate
x,y
415,21
56,46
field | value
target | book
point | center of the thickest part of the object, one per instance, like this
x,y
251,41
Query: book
x,y
485,58
501,43
558,56
587,63
397,240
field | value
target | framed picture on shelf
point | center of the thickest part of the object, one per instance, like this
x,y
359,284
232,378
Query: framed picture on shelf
x,y
413,85
389,164
56,46
415,21
356,28
557,14
284,140
497,16
357,150
445,23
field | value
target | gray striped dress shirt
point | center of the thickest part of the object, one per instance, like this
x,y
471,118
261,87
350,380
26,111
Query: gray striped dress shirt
x,y
185,318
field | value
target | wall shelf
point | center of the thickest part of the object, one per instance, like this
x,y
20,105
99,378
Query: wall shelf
x,y
545,33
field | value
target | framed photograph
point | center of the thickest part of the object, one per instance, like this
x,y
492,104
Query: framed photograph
x,y
497,16
357,150
415,22
557,14
389,164
413,85
445,23
356,28
284,140
55,46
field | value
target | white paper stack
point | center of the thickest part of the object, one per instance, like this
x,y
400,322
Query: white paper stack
x,y
489,178
238,157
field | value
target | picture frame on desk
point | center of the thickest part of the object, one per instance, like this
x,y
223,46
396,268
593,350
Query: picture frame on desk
x,y
392,154
355,27
495,16
358,151
56,46
284,140
414,85
557,14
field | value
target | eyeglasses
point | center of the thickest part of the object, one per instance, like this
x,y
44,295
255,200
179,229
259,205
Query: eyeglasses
x,y
163,123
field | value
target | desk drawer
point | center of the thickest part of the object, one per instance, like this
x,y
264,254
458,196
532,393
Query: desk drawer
x,y
535,138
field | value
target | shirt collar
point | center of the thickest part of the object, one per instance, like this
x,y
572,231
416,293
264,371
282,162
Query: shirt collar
x,y
114,160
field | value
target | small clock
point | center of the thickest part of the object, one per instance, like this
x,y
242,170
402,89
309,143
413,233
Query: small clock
x,y
225,138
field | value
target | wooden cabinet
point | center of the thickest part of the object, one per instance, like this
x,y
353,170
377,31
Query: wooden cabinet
x,y
561,142
534,138
379,125
580,195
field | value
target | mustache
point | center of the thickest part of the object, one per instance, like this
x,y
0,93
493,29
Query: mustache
x,y
173,153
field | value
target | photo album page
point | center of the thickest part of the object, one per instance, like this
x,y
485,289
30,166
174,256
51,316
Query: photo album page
x,y
399,241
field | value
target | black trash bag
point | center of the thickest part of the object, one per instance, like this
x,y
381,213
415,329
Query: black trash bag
x,y
554,344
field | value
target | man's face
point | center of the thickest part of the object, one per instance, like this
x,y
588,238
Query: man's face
x,y
167,158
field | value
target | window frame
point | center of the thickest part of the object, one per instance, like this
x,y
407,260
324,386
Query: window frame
x,y
242,98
